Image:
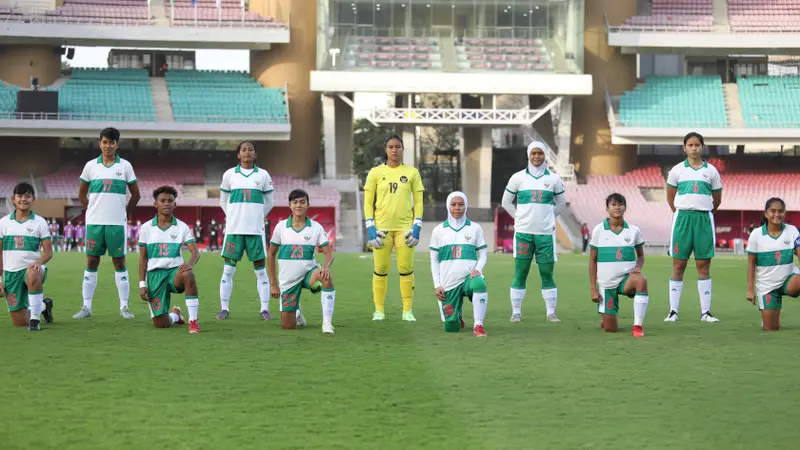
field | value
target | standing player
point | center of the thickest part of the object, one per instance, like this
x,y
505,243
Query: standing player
x,y
80,236
458,255
694,192
69,236
103,185
616,259
55,234
246,198
294,244
540,198
770,263
393,217
162,270
24,272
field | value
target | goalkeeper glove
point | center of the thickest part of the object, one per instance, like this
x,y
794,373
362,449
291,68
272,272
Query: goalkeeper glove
x,y
412,235
374,237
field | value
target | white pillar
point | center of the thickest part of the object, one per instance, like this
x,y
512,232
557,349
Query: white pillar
x,y
337,130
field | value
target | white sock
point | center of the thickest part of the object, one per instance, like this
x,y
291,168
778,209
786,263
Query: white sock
x,y
550,300
328,299
192,305
675,289
441,311
123,288
298,313
262,286
704,289
226,286
89,284
517,296
35,305
479,302
639,307
173,318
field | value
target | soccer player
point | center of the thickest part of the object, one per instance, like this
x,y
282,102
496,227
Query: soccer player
x,y
55,234
540,198
770,263
393,217
294,245
616,257
69,235
694,192
103,185
24,271
246,198
458,255
162,270
80,236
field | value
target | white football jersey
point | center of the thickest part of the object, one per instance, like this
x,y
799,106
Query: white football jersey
x,y
535,201
616,252
164,245
297,250
108,188
774,256
21,240
694,186
245,209
458,251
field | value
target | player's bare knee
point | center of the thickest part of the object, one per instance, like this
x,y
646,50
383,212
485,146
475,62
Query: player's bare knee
x,y
327,284
92,262
119,263
641,283
20,318
258,265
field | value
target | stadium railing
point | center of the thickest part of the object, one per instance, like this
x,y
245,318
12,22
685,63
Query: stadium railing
x,y
138,118
626,28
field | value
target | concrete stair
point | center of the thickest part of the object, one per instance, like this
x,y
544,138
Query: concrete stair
x,y
448,50
720,12
158,86
733,105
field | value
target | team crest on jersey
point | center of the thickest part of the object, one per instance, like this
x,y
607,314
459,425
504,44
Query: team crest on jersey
x,y
119,174
29,230
786,241
307,237
468,237
628,240
173,235
383,178
547,185
258,183
404,179
705,175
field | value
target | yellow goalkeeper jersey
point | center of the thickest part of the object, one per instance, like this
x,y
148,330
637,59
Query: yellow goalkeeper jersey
x,y
393,190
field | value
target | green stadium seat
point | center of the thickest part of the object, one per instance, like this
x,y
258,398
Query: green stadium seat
x,y
675,102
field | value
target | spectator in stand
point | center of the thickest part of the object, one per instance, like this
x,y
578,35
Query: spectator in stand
x,y
212,233
198,232
585,236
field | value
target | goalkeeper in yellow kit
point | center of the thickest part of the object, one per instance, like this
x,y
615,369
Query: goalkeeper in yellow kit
x,y
391,222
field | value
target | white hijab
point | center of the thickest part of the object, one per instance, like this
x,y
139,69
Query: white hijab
x,y
537,171
457,223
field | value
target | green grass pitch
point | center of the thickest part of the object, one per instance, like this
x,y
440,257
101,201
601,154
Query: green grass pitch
x,y
105,383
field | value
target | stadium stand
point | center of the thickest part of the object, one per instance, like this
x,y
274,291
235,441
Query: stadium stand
x,y
764,15
208,96
679,15
135,10
770,102
503,54
8,98
7,182
116,93
206,12
679,101
393,53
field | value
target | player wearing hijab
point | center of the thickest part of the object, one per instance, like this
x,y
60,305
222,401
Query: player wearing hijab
x,y
458,255
540,198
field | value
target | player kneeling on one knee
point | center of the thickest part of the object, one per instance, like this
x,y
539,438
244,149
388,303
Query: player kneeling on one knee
x,y
293,246
22,233
162,271
615,266
770,264
458,255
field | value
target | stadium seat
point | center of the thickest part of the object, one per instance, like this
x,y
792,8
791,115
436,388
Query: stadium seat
x,y
118,94
393,53
675,15
682,101
208,96
770,102
764,15
502,54
121,11
8,99
205,12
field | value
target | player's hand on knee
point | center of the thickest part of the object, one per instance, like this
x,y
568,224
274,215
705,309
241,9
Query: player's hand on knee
x,y
474,274
144,293
412,235
324,274
440,293
184,268
751,297
274,291
596,295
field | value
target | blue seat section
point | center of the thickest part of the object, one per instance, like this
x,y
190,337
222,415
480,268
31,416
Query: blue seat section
x,y
675,102
770,102
117,94
224,97
8,100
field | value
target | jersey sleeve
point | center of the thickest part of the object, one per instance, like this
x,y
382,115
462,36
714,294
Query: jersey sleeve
x,y
480,238
558,188
595,240
188,236
225,186
672,178
276,235
130,177
43,231
267,182
638,238
796,238
143,232
416,182
752,242
434,244
86,174
371,184
2,229
322,237
716,181
513,185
